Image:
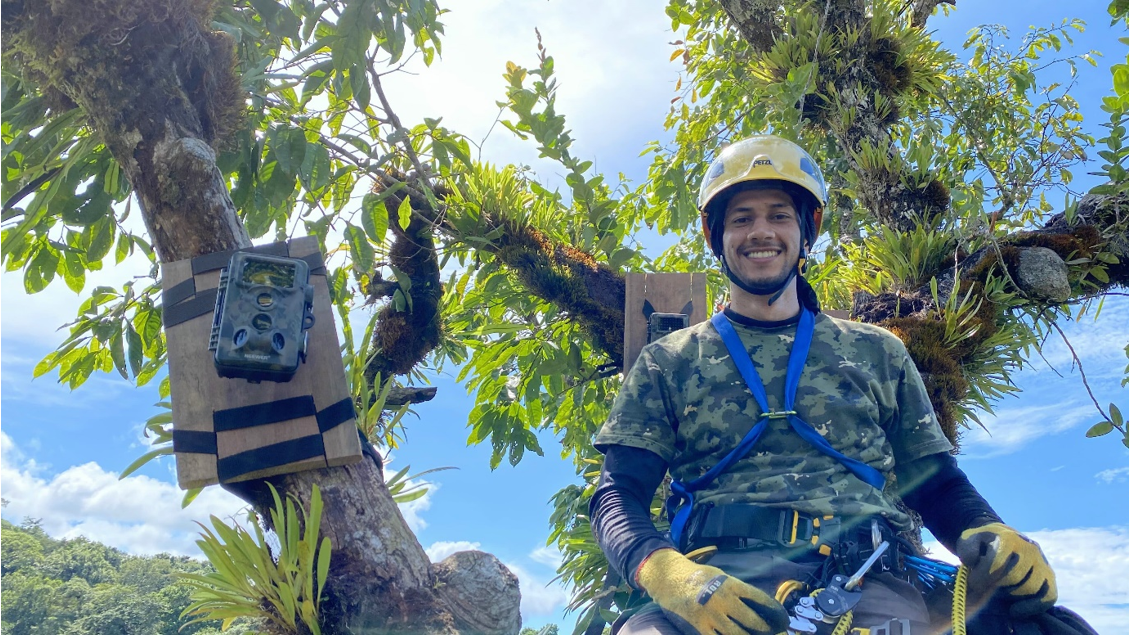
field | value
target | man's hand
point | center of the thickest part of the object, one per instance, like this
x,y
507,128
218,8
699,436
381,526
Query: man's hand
x,y
999,557
708,600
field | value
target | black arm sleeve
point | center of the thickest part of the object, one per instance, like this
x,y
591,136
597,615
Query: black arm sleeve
x,y
620,508
940,492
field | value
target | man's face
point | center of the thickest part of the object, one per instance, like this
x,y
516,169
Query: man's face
x,y
762,236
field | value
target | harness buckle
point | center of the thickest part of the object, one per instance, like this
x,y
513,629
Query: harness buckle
x,y
780,414
796,528
893,627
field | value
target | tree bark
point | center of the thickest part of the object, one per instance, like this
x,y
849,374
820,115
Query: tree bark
x,y
150,80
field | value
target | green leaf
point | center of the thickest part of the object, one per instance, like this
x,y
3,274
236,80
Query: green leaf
x,y
74,272
145,458
374,218
41,270
359,248
316,170
45,365
118,352
100,239
136,349
404,213
125,246
1115,415
289,147
1099,429
359,83
190,496
324,552
148,325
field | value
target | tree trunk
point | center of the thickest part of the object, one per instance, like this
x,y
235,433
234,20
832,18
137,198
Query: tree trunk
x,y
145,75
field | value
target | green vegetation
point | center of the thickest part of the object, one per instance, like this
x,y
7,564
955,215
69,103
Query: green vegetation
x,y
945,167
79,587
255,581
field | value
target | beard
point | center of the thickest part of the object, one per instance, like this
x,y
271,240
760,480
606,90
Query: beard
x,y
762,285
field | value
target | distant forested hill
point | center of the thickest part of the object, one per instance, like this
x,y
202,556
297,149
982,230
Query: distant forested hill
x,y
79,587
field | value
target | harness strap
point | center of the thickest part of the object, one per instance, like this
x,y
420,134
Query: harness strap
x,y
681,502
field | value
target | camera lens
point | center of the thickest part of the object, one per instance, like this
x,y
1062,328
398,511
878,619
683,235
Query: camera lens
x,y
261,322
265,300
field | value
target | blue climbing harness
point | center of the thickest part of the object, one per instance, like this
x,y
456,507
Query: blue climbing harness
x,y
681,501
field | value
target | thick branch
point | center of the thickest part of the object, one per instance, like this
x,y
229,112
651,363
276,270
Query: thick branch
x,y
756,20
401,395
158,87
590,292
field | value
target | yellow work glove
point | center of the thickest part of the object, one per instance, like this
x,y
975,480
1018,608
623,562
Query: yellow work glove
x,y
707,600
999,557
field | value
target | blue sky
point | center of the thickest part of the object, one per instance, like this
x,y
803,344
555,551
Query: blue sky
x,y
62,451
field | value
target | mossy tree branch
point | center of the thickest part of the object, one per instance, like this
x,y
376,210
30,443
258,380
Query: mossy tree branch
x,y
159,88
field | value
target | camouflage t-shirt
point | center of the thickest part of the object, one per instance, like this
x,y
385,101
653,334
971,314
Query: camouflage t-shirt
x,y
685,401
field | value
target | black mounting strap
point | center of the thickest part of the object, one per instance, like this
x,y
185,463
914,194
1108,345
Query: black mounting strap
x,y
263,414
269,456
220,259
194,442
201,304
274,455
179,292
334,415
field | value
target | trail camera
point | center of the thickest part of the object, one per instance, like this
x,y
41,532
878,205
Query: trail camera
x,y
264,306
660,324
656,304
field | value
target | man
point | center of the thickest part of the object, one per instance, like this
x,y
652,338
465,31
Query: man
x,y
790,467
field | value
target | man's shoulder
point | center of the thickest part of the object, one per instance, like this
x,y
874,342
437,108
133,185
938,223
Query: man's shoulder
x,y
685,343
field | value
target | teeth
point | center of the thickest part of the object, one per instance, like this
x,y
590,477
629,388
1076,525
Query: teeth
x,y
760,254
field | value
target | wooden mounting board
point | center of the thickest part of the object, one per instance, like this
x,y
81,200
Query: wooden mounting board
x,y
667,293
198,391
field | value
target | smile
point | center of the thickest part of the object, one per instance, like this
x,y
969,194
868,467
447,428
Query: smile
x,y
761,253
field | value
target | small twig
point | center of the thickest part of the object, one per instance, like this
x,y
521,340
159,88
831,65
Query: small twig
x,y
401,131
1079,362
816,53
487,135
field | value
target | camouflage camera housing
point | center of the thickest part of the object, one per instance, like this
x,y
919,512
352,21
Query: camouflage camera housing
x,y
660,324
264,306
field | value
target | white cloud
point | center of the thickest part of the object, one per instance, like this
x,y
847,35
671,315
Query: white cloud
x,y
614,78
1090,565
541,596
1099,343
1114,475
442,549
1010,429
549,556
138,514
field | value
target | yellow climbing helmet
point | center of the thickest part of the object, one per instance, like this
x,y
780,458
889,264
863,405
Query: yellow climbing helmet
x,y
769,159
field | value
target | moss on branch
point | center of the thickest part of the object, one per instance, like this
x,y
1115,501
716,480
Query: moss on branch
x,y
591,293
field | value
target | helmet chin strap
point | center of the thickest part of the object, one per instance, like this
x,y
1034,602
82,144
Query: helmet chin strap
x,y
773,290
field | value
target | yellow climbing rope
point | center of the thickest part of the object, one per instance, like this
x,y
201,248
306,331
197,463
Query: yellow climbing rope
x,y
960,590
844,625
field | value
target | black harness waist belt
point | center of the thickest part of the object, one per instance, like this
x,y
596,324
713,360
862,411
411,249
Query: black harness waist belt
x,y
742,525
